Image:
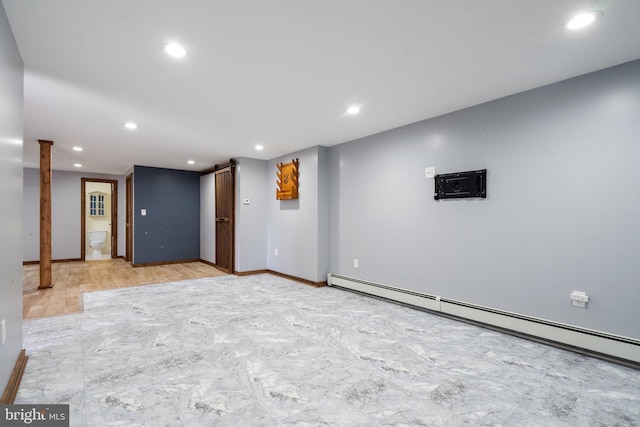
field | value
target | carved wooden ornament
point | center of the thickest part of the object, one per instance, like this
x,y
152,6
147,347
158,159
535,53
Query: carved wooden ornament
x,y
287,174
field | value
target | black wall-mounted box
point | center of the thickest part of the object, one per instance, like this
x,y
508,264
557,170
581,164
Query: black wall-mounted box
x,y
461,184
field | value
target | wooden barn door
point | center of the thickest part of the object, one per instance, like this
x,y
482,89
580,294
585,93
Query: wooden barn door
x,y
225,202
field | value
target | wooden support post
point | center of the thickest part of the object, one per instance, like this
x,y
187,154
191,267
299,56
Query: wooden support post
x,y
45,214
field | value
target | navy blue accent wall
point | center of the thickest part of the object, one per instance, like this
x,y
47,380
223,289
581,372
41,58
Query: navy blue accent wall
x,y
170,230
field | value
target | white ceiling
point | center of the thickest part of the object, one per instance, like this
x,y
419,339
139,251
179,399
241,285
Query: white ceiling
x,y
281,73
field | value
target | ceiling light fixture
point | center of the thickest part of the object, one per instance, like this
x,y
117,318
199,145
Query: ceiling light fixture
x,y
191,162
259,147
78,165
583,19
130,125
354,109
174,49
77,148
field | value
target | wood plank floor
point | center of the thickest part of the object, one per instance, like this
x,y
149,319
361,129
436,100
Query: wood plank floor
x,y
71,279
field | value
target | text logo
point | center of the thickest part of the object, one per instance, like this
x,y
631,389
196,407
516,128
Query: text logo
x,y
34,415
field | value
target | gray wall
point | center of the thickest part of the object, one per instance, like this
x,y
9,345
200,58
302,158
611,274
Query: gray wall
x,y
208,217
66,193
323,214
31,215
11,77
294,226
170,231
252,182
562,211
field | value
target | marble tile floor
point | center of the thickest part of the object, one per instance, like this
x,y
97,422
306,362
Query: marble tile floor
x,y
265,351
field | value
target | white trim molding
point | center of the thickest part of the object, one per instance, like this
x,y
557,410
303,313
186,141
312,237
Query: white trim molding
x,y
598,342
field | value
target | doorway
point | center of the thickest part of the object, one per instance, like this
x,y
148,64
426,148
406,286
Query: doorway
x,y
225,213
99,212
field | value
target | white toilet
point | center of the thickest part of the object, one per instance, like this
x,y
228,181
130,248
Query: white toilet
x,y
97,240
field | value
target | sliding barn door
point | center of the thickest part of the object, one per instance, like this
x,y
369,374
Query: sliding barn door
x,y
225,201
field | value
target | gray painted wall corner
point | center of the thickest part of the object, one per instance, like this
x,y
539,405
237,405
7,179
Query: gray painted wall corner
x,y
66,218
324,214
293,224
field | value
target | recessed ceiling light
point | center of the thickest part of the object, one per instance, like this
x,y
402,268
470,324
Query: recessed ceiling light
x,y
583,19
191,162
354,109
130,125
174,49
78,165
77,148
259,147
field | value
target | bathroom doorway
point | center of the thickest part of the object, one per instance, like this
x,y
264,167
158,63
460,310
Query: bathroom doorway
x,y
99,213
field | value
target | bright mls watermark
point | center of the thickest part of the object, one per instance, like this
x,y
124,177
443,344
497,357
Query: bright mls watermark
x,y
34,415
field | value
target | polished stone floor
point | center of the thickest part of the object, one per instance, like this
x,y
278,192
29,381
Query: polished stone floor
x,y
265,351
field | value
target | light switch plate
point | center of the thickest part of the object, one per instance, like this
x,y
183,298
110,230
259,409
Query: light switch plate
x,y
143,212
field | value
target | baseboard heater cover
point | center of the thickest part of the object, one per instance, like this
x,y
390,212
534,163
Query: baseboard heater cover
x,y
605,343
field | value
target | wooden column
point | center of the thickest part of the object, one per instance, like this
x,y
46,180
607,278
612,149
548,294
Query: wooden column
x,y
45,214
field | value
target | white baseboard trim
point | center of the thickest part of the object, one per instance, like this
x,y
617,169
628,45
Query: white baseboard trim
x,y
605,343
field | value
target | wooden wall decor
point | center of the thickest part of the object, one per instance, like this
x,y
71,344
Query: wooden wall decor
x,y
287,174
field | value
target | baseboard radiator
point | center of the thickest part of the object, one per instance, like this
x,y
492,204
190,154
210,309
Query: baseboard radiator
x,y
593,341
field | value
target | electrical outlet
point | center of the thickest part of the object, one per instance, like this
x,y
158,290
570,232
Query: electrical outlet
x,y
4,331
356,264
276,252
579,299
